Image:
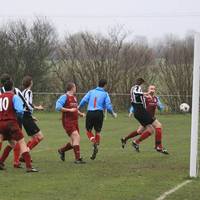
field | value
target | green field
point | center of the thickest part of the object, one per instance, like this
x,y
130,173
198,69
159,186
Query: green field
x,y
116,174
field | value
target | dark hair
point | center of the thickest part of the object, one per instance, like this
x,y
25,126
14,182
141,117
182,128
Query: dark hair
x,y
70,85
26,82
140,81
5,77
8,85
102,82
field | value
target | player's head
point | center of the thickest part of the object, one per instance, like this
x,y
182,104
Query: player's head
x,y
151,89
4,78
8,85
71,87
140,81
27,82
102,83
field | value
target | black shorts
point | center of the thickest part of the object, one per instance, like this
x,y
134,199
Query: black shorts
x,y
29,124
94,119
142,115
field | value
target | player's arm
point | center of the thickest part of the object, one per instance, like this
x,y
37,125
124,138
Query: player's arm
x,y
29,96
60,105
84,100
160,105
18,106
109,107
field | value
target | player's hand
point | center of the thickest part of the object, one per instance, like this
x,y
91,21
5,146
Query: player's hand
x,y
40,107
35,119
82,114
73,110
114,115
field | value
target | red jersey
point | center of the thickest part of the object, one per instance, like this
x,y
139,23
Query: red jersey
x,y
151,104
7,111
70,117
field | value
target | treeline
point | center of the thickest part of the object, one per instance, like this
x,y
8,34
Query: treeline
x,y
85,57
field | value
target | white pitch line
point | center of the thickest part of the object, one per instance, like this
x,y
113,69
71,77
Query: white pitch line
x,y
165,194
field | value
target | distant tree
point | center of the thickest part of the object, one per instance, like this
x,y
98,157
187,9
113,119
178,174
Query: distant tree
x,y
176,64
25,50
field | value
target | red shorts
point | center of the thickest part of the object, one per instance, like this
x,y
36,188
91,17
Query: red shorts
x,y
71,127
11,130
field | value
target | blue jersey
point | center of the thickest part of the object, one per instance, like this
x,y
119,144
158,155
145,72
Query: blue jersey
x,y
97,99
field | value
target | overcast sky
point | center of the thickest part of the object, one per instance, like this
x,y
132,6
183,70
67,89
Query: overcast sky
x,y
150,18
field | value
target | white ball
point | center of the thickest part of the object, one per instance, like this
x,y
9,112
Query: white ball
x,y
184,107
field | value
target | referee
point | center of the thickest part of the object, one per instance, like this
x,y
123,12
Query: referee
x,y
98,100
140,113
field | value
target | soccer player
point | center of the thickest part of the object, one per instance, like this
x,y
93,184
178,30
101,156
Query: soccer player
x,y
16,150
98,100
11,106
68,105
29,122
144,112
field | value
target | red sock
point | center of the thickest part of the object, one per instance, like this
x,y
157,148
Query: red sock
x,y
131,135
29,142
27,159
5,154
33,142
66,147
0,145
90,136
97,138
144,135
77,151
158,137
16,153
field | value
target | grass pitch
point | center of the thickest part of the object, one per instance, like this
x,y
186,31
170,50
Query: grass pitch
x,y
116,174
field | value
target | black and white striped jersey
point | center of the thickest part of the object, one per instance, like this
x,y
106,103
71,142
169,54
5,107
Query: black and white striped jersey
x,y
137,96
16,91
28,95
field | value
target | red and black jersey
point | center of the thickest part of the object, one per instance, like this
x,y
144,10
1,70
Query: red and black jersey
x,y
67,117
7,111
151,104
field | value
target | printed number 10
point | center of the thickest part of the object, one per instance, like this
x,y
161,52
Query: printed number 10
x,y
4,102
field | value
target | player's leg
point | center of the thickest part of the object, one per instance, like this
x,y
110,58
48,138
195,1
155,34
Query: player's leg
x,y
132,134
98,124
6,153
75,137
32,130
158,137
35,140
145,120
148,131
16,149
1,141
18,136
66,147
16,156
26,156
89,126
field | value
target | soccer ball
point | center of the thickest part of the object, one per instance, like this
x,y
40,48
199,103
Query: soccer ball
x,y
184,107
